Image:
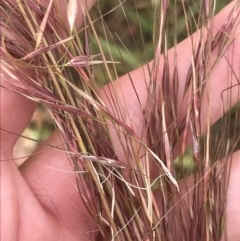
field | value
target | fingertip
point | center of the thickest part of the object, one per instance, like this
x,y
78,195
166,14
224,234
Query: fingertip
x,y
16,112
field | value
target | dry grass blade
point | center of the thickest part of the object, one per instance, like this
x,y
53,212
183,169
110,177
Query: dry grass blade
x,y
81,61
72,10
43,24
45,49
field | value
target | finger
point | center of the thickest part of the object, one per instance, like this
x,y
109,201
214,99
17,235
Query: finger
x,y
182,213
19,108
233,200
224,77
21,211
16,112
49,174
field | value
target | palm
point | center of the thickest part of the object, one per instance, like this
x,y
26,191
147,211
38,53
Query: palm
x,y
43,203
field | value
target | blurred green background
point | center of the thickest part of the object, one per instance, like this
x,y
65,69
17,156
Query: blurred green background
x,y
126,33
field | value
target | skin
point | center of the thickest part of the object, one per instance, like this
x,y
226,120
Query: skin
x,y
40,203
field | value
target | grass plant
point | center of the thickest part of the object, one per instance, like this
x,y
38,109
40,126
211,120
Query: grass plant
x,y
114,163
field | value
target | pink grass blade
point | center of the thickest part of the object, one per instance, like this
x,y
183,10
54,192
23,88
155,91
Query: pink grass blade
x,y
45,49
43,24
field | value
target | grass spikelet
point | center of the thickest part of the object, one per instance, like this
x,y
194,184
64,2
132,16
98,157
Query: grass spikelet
x,y
72,10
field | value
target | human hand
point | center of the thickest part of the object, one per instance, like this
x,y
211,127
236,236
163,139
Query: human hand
x,y
41,203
